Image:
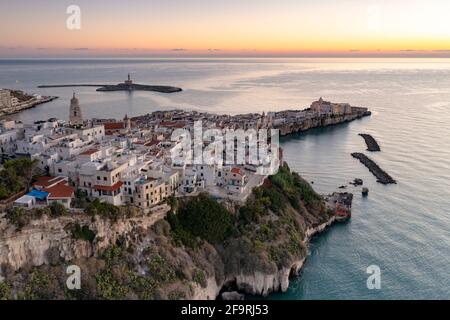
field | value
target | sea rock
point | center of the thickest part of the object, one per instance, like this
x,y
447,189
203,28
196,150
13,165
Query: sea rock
x,y
233,295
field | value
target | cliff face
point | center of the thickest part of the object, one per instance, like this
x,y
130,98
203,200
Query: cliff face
x,y
32,245
139,258
318,122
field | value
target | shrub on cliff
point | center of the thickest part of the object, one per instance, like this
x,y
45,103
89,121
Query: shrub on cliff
x,y
293,187
103,209
202,217
82,233
39,286
57,209
18,217
5,291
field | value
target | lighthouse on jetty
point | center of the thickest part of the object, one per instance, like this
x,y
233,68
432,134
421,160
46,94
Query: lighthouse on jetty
x,y
129,82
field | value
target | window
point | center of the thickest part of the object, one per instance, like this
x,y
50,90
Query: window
x,y
59,170
98,178
104,179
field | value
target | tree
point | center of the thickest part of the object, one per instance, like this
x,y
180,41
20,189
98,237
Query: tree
x,y
206,218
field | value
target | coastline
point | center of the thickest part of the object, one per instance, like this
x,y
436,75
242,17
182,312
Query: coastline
x,y
261,284
320,122
25,106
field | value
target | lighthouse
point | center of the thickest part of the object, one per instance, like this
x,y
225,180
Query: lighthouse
x,y
75,115
129,82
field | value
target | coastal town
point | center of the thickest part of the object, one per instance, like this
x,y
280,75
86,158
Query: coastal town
x,y
130,161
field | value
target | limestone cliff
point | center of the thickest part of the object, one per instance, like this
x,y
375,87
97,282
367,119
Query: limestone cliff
x,y
317,122
263,243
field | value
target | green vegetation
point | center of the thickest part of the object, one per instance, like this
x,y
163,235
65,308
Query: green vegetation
x,y
200,278
201,217
177,295
103,209
82,233
294,188
5,291
18,217
39,287
57,209
80,201
16,176
109,280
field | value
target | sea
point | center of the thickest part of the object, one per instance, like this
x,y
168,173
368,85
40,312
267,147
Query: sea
x,y
402,230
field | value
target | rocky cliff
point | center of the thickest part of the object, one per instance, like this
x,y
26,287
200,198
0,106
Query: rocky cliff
x,y
321,121
253,248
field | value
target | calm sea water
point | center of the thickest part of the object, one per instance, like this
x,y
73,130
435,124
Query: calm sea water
x,y
404,229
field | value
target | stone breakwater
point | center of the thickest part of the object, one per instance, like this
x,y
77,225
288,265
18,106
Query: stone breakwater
x,y
320,121
119,87
380,174
372,144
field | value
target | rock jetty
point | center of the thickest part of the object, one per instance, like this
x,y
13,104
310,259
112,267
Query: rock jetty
x,y
127,85
372,144
381,175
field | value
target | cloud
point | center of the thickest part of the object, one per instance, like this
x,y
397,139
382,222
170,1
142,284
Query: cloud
x,y
80,49
178,49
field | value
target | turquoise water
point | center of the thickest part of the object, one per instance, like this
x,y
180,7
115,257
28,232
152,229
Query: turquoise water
x,y
404,229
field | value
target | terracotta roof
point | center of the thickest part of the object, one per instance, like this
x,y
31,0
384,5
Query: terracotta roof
x,y
61,190
237,171
152,143
47,181
89,152
173,124
109,188
114,125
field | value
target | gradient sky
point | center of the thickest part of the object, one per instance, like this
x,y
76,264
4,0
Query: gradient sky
x,y
247,27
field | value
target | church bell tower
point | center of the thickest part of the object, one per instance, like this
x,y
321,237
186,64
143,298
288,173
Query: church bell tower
x,y
75,116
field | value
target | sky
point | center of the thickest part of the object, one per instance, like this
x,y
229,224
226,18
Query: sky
x,y
233,27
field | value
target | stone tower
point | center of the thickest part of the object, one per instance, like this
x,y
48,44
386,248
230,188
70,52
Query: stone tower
x,y
75,116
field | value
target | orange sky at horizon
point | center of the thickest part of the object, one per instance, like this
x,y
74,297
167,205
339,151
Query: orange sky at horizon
x,y
246,27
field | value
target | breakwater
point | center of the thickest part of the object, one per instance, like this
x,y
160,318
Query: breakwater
x,y
372,144
380,174
119,87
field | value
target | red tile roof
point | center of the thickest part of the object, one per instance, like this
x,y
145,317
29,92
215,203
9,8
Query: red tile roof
x,y
173,124
47,181
109,188
60,190
152,143
114,125
237,171
89,152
